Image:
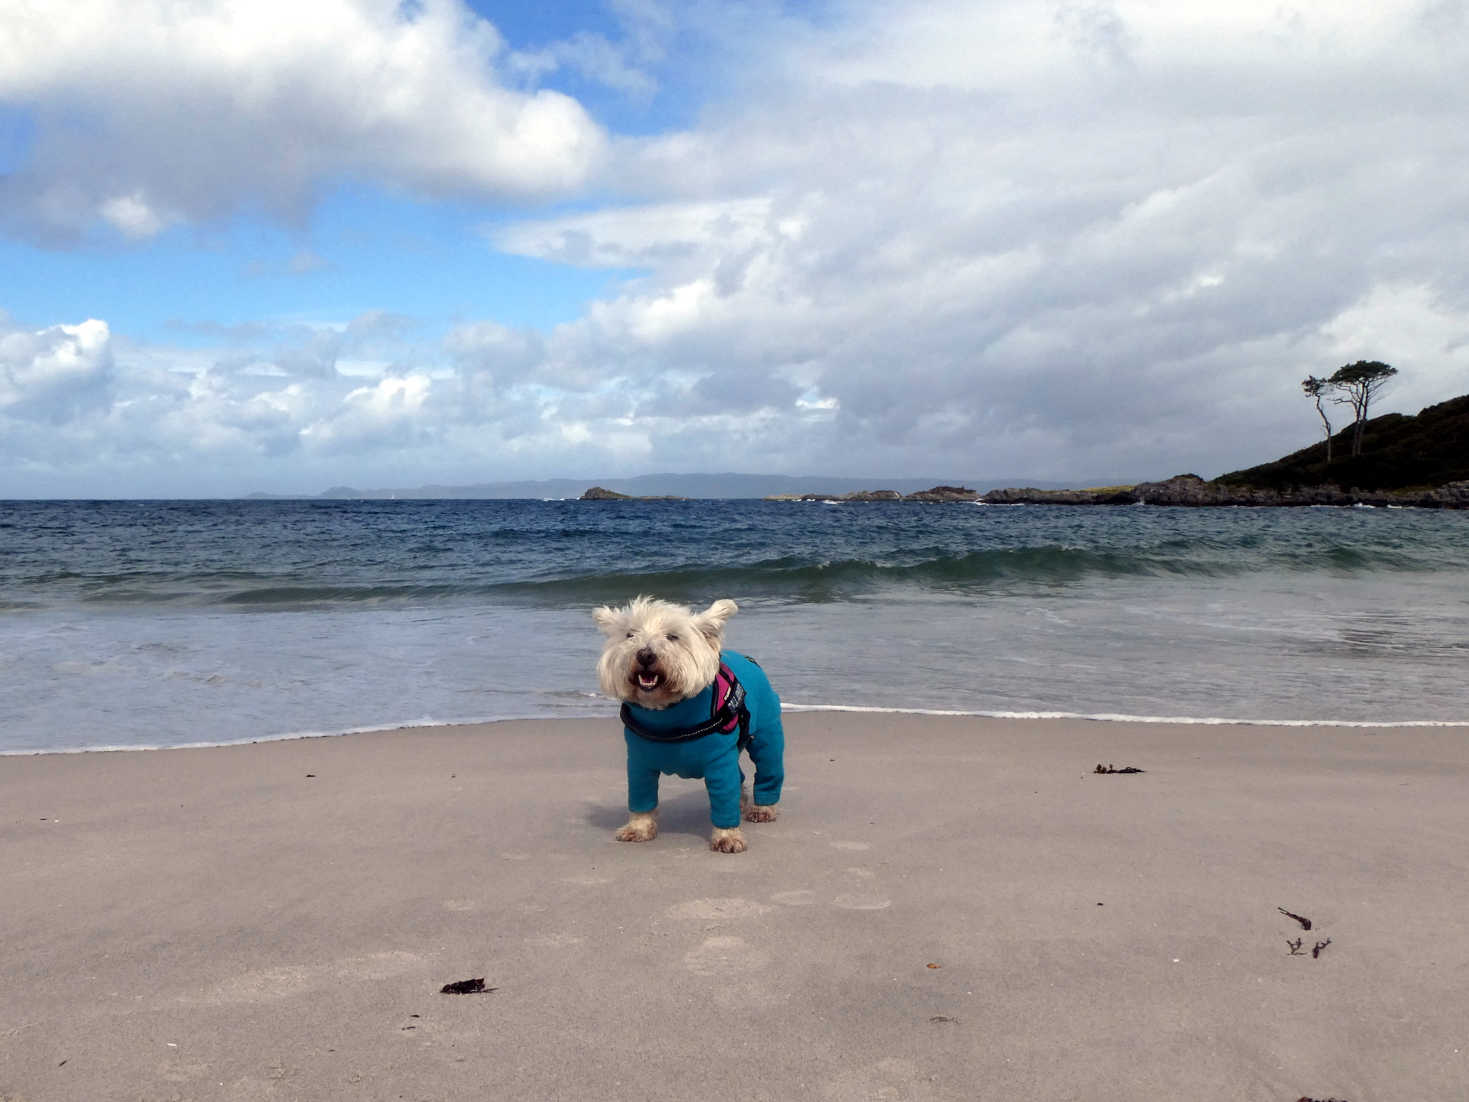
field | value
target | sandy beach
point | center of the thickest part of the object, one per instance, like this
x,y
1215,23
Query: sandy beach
x,y
948,908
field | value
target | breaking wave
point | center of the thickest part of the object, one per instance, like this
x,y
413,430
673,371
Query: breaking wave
x,y
254,556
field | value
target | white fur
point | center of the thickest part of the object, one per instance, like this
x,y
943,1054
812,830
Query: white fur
x,y
683,645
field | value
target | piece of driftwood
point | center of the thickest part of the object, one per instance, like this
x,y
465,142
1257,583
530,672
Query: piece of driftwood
x,y
467,987
1113,769
1295,947
1316,949
1304,921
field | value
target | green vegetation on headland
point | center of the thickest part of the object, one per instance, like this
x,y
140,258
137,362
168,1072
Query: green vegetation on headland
x,y
1418,460
1398,452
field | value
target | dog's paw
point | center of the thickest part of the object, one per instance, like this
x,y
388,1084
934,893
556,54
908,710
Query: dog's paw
x,y
752,812
727,840
641,827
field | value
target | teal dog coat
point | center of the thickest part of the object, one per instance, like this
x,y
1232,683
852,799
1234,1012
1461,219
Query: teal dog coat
x,y
703,736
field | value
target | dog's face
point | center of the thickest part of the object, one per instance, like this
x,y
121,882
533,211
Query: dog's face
x,y
659,653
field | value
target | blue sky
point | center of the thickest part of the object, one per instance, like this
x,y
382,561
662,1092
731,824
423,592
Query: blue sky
x,y
275,246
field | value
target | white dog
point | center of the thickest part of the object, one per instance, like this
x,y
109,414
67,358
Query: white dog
x,y
688,709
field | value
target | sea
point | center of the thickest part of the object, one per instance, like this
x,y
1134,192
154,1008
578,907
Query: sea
x,y
140,624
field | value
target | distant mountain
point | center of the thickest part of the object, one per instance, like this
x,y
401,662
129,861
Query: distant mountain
x,y
1399,452
665,485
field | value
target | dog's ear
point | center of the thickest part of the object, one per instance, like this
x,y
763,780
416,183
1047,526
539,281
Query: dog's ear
x,y
608,619
711,621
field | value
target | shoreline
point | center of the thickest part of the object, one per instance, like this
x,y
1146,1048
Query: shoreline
x,y
947,908
1180,491
792,709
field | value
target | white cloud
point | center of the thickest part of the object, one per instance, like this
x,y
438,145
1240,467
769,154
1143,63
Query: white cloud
x,y
131,215
492,362
1419,327
54,373
638,237
79,406
153,112
591,55
387,412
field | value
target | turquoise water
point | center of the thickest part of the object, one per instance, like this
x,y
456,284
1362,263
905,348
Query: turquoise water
x,y
172,623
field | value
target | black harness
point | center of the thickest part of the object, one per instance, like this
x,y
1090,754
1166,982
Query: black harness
x,y
727,710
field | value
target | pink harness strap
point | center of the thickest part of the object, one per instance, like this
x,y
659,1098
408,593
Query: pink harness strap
x,y
724,684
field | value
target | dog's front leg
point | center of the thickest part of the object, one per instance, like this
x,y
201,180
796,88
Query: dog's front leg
x,y
641,826
642,791
727,840
726,788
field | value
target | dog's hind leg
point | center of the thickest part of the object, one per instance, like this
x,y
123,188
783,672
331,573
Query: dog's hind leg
x,y
767,753
756,813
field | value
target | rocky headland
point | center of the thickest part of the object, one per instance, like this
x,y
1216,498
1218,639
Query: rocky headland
x,y
1187,490
1420,461
935,494
1193,491
601,493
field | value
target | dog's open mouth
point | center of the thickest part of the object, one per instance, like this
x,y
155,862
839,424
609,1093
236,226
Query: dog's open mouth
x,y
647,680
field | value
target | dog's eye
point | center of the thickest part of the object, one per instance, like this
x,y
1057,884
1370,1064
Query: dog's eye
x,y
629,635
672,638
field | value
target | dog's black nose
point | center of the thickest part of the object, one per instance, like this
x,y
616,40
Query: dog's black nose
x,y
646,657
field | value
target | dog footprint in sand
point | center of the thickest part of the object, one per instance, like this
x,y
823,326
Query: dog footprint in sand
x,y
717,910
801,897
862,897
555,941
723,955
853,902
